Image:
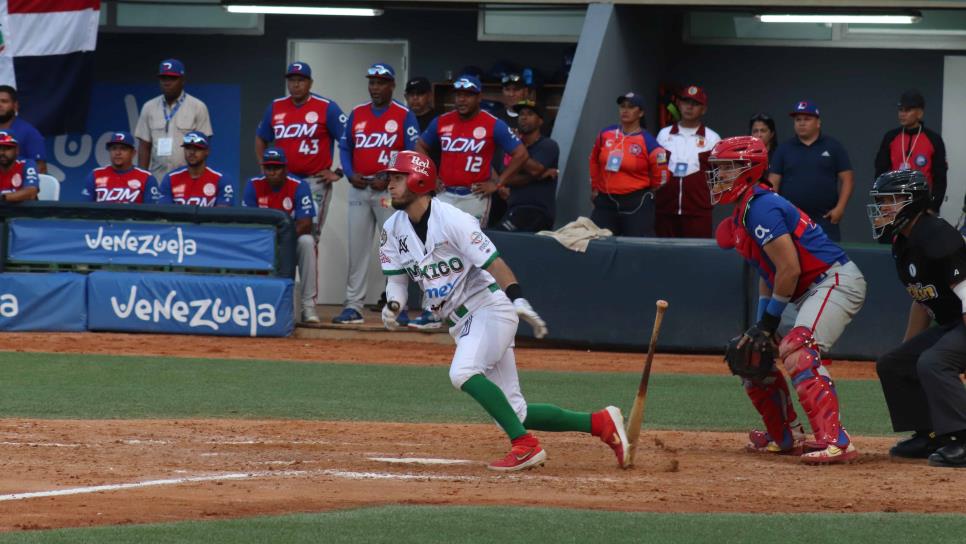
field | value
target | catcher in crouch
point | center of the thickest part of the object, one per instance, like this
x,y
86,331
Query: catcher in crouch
x,y
808,290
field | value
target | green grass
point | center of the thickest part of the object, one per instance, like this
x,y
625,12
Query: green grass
x,y
420,525
107,387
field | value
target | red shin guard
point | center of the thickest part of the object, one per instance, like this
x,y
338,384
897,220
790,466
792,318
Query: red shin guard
x,y
773,401
816,392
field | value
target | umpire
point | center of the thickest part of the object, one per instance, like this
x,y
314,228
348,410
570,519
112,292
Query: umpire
x,y
920,378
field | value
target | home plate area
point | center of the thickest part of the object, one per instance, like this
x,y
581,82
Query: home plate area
x,y
70,473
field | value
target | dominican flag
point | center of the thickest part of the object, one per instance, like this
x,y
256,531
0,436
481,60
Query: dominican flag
x,y
47,54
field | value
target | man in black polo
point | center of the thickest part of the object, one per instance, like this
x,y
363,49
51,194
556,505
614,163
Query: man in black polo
x,y
532,190
912,146
809,168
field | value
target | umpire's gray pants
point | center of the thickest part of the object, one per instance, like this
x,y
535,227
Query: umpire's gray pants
x,y
308,269
368,211
920,380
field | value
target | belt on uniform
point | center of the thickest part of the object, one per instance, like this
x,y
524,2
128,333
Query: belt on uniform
x,y
842,261
459,190
461,312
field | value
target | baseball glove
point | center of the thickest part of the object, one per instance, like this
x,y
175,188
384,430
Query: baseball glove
x,y
755,359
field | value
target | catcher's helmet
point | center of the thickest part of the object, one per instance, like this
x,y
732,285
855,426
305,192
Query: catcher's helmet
x,y
897,197
736,164
419,167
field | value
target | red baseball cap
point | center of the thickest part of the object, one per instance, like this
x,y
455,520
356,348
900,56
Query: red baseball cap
x,y
7,139
693,92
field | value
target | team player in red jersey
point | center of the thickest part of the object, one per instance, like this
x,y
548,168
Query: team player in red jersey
x,y
196,184
278,190
18,178
120,182
467,139
305,126
374,132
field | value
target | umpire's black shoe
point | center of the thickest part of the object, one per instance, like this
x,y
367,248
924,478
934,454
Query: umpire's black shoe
x,y
951,456
920,446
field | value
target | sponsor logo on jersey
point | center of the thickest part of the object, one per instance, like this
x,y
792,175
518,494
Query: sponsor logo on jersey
x,y
102,180
419,166
392,125
197,313
16,181
295,130
479,133
921,293
312,117
440,292
9,305
461,145
194,201
636,150
476,237
763,234
287,204
209,189
374,140
912,269
134,183
145,244
435,270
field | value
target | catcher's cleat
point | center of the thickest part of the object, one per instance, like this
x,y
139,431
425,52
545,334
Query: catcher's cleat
x,y
832,455
761,442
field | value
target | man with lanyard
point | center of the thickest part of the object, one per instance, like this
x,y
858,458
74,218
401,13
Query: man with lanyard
x,y
196,184
277,190
120,182
532,192
442,250
468,139
374,132
31,141
913,146
19,180
921,377
305,126
166,119
683,208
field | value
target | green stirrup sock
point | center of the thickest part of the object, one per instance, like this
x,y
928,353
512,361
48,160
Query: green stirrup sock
x,y
547,417
492,399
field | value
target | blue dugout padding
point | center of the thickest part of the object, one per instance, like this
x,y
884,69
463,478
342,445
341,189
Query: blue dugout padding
x,y
606,296
43,302
189,304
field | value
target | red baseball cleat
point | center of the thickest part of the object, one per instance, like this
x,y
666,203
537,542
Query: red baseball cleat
x,y
525,453
832,455
612,432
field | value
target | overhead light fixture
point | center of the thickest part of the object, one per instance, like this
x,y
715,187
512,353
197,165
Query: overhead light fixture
x,y
303,10
831,18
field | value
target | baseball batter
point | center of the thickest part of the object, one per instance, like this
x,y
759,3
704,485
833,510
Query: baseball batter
x,y
443,250
806,283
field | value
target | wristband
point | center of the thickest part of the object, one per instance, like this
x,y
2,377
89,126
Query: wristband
x,y
769,323
513,291
762,304
776,305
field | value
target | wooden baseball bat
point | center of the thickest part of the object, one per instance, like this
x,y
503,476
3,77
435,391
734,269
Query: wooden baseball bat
x,y
637,412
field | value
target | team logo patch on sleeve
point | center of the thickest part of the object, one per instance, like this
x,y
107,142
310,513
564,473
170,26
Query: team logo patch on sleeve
x,y
476,238
383,238
661,157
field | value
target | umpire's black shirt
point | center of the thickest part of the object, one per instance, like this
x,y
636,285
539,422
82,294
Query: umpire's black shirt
x,y
929,261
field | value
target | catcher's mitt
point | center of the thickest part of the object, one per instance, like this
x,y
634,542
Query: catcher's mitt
x,y
755,359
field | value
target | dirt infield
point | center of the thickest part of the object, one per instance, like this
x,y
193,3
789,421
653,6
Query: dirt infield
x,y
160,470
275,467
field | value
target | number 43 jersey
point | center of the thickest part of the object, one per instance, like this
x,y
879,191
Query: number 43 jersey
x,y
305,132
449,267
373,134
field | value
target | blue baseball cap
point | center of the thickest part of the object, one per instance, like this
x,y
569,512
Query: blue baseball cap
x,y
381,70
195,139
632,97
299,68
123,138
468,83
171,67
273,155
805,107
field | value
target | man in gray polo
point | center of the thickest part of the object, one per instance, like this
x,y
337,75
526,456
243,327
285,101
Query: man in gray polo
x,y
166,119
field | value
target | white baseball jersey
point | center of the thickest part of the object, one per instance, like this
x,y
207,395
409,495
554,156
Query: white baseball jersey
x,y
449,267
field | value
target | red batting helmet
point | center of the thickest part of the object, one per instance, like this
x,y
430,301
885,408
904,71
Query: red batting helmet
x,y
421,170
736,164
